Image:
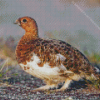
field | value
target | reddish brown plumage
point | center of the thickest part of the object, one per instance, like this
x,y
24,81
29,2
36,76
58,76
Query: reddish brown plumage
x,y
47,51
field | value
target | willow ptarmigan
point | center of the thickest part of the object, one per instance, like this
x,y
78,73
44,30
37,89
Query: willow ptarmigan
x,y
53,61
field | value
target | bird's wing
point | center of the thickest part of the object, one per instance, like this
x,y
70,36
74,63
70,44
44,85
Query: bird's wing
x,y
59,53
56,53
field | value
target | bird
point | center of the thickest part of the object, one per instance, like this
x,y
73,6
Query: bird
x,y
53,61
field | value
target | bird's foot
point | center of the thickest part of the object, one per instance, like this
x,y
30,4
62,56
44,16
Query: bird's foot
x,y
43,88
64,87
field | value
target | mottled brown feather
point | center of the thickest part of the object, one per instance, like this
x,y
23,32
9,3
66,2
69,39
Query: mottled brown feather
x,y
47,50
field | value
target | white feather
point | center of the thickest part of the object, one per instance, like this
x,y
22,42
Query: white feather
x,y
45,71
61,57
37,71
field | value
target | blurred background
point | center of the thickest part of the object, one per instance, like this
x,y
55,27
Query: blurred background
x,y
74,21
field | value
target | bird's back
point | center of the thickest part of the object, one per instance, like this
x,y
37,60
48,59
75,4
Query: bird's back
x,y
54,52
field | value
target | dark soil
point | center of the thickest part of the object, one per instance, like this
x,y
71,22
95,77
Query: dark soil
x,y
21,87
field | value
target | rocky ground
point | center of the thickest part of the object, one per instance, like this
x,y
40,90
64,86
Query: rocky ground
x,y
19,87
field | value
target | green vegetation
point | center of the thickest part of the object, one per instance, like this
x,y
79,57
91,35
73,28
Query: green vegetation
x,y
94,57
93,83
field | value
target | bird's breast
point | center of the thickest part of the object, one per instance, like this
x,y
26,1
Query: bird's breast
x,y
34,69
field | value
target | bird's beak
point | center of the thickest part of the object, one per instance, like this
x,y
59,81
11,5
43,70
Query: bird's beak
x,y
17,22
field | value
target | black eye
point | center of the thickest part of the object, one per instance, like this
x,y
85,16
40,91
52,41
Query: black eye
x,y
24,20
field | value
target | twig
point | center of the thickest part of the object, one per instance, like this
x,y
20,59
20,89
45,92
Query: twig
x,y
7,69
86,15
3,65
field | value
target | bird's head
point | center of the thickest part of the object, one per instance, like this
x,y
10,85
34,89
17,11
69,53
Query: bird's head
x,y
27,23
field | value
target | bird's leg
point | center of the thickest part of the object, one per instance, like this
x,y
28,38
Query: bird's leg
x,y
66,84
46,87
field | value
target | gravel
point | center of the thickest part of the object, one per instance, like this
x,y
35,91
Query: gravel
x,y
20,88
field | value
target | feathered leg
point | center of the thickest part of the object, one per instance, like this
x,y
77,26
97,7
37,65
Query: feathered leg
x,y
66,84
46,87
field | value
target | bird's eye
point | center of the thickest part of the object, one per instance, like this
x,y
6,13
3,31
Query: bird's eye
x,y
24,20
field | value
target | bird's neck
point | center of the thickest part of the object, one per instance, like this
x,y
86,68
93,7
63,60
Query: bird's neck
x,y
30,35
31,32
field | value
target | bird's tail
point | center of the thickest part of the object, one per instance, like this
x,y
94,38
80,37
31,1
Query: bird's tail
x,y
95,74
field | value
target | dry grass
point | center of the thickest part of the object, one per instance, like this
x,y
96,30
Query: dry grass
x,y
7,54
